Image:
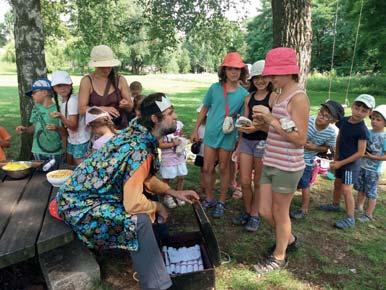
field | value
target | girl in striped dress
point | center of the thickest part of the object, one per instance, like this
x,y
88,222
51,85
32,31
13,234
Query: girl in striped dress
x,y
283,160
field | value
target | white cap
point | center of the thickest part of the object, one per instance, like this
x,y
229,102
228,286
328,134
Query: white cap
x,y
366,99
91,117
61,78
381,109
257,68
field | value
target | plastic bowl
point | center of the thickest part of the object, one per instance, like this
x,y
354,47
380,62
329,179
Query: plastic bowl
x,y
58,177
21,173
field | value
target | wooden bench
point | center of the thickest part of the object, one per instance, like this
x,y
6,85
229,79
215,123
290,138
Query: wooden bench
x,y
27,230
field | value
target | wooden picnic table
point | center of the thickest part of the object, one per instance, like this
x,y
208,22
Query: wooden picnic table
x,y
26,227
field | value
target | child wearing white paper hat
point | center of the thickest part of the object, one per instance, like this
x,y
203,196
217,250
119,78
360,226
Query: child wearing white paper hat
x,y
102,127
78,136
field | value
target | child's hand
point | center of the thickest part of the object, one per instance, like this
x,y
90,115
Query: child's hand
x,y
124,104
248,129
56,114
21,129
176,141
335,165
52,127
112,111
194,137
370,156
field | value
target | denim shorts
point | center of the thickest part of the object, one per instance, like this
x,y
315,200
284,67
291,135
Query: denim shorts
x,y
78,151
252,147
367,183
305,180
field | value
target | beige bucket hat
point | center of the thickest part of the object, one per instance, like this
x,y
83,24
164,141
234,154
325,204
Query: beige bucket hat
x,y
103,56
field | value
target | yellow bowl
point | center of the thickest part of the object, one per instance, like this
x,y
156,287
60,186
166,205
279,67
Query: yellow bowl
x,y
58,177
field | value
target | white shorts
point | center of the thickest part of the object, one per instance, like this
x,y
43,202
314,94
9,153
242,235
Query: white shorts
x,y
171,172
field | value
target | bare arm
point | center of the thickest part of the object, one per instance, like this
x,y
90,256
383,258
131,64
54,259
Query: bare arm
x,y
360,153
84,95
127,103
299,109
200,118
166,145
375,157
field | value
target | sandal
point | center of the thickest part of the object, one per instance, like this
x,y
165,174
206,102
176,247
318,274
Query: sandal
x,y
298,214
345,223
365,218
330,207
271,264
293,247
218,211
241,219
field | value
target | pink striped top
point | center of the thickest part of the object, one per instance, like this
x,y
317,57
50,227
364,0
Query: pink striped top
x,y
279,152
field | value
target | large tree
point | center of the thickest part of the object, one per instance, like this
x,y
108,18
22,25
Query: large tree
x,y
292,28
30,60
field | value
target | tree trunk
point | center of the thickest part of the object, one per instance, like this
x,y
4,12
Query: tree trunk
x,y
30,59
292,28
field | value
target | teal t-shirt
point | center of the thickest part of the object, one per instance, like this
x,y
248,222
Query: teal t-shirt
x,y
49,141
215,102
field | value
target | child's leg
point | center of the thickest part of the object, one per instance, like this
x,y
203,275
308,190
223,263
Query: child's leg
x,y
258,166
349,199
360,200
305,199
210,157
337,191
224,159
246,166
180,182
370,207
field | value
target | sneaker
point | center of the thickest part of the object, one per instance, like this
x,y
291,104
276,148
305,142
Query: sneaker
x,y
169,202
180,202
218,211
253,224
365,218
271,264
293,247
297,214
208,203
241,219
343,224
330,207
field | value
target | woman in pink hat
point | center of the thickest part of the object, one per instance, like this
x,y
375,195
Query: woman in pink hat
x,y
104,88
222,103
283,161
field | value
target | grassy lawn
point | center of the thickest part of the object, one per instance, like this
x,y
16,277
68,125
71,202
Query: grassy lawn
x,y
328,258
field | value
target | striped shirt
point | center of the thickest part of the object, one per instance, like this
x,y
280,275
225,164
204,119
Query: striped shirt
x,y
325,137
279,152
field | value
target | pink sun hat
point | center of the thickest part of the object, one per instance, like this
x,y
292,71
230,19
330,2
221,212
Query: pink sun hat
x,y
281,61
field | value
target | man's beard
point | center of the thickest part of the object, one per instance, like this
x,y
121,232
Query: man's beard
x,y
166,130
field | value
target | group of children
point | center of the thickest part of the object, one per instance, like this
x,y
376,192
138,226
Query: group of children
x,y
59,131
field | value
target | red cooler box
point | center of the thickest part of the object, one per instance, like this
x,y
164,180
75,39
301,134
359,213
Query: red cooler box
x,y
210,254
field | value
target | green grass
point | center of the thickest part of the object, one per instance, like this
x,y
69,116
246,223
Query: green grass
x,y
328,258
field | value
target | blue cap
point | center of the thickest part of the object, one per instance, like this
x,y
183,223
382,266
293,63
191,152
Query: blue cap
x,y
38,85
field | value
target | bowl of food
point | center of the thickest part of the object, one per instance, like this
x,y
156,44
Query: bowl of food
x,y
58,177
17,169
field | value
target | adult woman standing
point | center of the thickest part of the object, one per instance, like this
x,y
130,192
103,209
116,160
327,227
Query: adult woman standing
x,y
222,103
104,88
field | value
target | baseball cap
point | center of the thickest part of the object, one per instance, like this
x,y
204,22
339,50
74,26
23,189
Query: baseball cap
x,y
366,99
336,109
39,85
381,109
61,78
